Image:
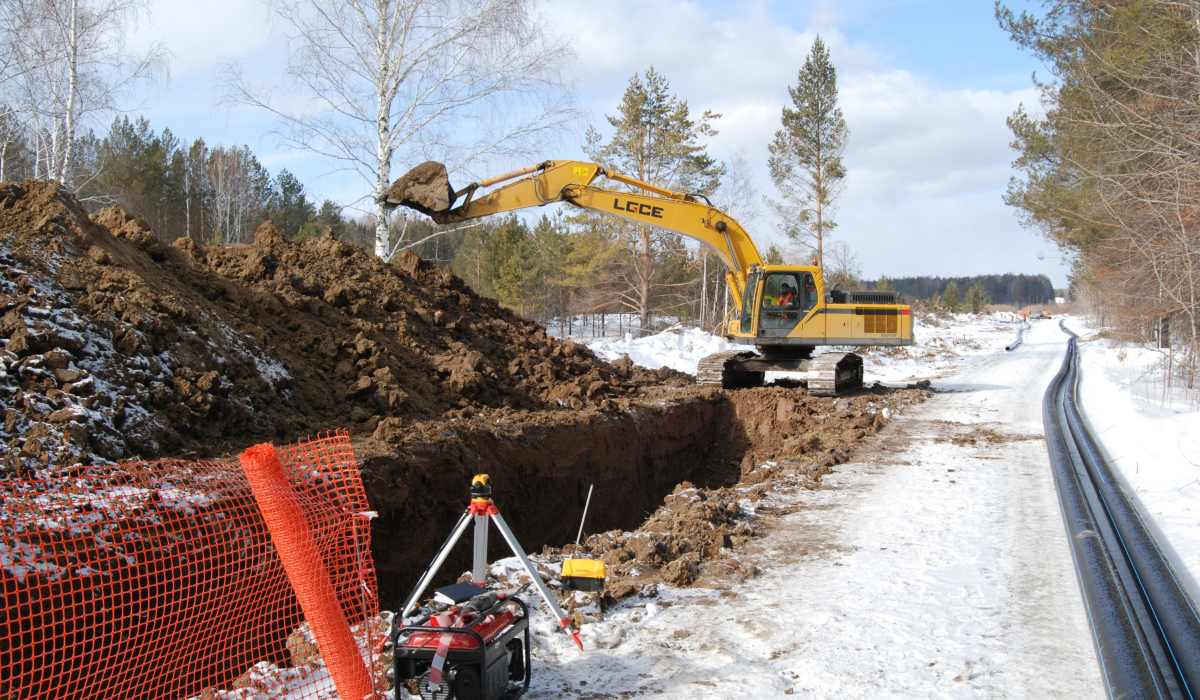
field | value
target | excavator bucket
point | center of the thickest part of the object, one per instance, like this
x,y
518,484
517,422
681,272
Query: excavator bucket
x,y
426,188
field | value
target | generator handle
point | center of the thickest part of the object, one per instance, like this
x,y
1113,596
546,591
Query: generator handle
x,y
482,646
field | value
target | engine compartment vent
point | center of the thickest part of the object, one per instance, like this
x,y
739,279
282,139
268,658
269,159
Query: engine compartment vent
x,y
871,298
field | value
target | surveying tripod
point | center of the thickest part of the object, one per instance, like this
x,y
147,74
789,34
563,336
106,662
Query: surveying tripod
x,y
480,511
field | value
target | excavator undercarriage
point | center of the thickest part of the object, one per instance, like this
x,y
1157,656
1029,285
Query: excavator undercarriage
x,y
830,374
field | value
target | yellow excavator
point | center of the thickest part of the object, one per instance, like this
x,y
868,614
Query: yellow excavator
x,y
785,310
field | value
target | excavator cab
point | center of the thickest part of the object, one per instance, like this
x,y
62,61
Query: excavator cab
x,y
776,300
787,297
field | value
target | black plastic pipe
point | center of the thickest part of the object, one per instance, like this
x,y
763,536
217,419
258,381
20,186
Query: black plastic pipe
x,y
1127,665
1173,611
1017,343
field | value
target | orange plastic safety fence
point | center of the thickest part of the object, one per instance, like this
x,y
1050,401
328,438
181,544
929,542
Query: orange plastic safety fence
x,y
305,569
161,580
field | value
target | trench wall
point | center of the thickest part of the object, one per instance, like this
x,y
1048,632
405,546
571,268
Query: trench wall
x,y
540,473
542,463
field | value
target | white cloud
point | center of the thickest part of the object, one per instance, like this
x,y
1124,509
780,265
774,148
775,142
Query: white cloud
x,y
911,139
199,34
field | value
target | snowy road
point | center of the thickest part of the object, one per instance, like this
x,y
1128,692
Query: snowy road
x,y
937,568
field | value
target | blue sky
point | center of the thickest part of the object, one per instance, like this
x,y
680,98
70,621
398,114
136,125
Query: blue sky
x,y
957,44
926,86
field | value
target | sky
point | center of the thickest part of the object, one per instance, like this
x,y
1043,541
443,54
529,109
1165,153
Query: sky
x,y
925,86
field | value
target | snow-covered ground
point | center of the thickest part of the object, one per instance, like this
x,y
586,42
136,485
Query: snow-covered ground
x,y
1154,444
936,566
680,349
941,345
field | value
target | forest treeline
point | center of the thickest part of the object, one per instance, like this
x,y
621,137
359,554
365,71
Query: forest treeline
x,y
59,78
549,268
1013,289
1110,158
210,194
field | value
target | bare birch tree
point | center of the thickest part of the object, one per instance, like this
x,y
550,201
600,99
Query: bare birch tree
x,y
70,64
461,81
238,190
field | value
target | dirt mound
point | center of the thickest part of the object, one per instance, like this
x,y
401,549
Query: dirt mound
x,y
118,346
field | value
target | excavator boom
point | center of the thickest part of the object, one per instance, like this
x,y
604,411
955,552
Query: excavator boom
x,y
427,189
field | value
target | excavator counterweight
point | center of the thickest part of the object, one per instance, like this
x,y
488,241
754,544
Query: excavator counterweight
x,y
785,311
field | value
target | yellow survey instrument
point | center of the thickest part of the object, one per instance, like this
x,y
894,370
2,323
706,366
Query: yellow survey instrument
x,y
583,575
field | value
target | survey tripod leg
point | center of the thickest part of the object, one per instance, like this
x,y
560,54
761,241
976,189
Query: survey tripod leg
x,y
479,568
444,552
481,510
563,620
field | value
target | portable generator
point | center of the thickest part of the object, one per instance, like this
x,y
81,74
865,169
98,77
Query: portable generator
x,y
472,651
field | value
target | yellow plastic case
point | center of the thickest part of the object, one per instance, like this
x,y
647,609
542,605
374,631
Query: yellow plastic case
x,y
583,575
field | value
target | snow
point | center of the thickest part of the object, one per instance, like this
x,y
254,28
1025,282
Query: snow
x,y
935,566
942,345
681,349
1153,444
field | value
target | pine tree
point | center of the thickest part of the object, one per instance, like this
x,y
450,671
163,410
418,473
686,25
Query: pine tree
x,y
883,285
656,141
806,154
289,208
774,255
977,299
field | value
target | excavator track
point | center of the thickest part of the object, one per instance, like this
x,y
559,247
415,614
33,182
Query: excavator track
x,y
835,373
719,370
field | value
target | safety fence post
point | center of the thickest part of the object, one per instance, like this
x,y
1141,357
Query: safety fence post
x,y
306,571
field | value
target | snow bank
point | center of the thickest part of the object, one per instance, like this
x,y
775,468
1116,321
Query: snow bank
x,y
677,348
1154,445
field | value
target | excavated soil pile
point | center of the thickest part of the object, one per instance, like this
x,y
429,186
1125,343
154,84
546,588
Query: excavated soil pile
x,y
118,346
793,438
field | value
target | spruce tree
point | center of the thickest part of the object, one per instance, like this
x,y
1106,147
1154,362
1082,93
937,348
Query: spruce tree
x,y
806,154
977,299
950,300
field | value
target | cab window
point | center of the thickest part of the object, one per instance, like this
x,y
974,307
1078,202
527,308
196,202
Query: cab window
x,y
748,302
808,293
783,300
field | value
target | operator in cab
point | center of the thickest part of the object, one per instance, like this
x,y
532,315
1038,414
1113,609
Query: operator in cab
x,y
787,299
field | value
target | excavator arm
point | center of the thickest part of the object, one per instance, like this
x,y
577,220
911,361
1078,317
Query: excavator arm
x,y
426,188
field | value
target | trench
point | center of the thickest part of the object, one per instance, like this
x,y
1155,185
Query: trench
x,y
541,467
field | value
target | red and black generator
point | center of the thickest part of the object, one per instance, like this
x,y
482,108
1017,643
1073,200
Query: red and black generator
x,y
472,651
